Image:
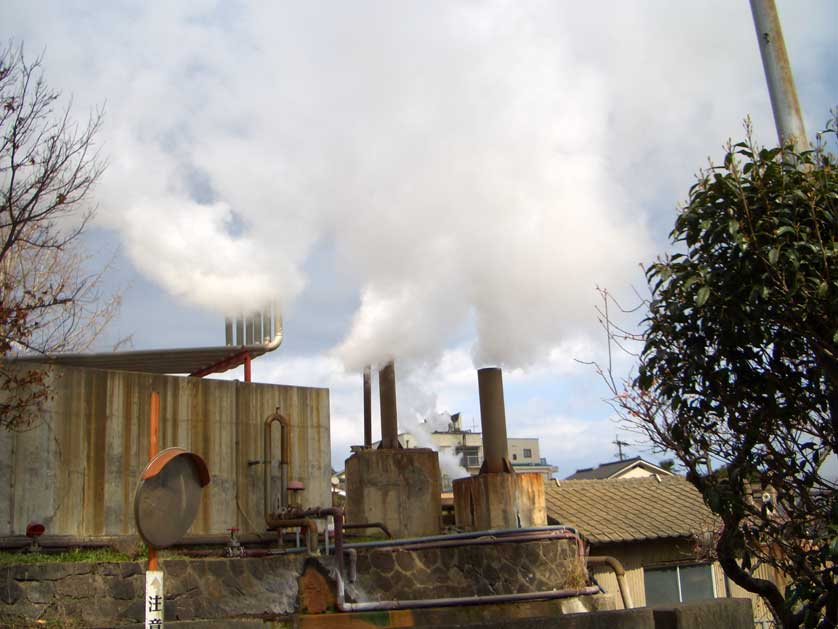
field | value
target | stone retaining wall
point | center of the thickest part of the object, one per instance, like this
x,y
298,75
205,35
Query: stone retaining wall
x,y
479,570
104,594
107,594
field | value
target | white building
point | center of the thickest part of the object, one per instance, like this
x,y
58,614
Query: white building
x,y
467,446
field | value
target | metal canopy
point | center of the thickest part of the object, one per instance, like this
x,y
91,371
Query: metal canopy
x,y
193,360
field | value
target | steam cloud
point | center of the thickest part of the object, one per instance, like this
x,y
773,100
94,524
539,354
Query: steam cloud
x,y
475,166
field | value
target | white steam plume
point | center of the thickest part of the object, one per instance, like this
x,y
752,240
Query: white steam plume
x,y
477,167
418,416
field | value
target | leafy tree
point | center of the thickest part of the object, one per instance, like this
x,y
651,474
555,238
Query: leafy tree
x,y
739,367
668,465
48,167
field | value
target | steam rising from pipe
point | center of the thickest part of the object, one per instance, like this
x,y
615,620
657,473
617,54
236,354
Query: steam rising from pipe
x,y
476,169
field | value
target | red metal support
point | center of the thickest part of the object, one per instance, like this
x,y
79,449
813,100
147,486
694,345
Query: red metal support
x,y
247,368
240,358
153,447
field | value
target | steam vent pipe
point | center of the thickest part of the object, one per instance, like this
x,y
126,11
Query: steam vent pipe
x,y
387,398
493,421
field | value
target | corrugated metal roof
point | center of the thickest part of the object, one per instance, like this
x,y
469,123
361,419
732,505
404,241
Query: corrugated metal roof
x,y
163,361
629,509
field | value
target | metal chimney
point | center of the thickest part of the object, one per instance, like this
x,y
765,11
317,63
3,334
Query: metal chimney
x,y
367,407
387,398
493,421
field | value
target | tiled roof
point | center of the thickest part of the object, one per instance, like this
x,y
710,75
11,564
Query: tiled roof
x,y
609,470
606,470
633,509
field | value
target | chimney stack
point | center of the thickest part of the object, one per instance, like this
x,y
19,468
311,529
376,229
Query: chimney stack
x,y
387,398
367,407
493,421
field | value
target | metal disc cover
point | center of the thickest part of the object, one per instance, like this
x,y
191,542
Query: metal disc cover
x,y
165,504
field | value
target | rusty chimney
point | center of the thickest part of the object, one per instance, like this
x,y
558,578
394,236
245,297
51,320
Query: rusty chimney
x,y
367,407
493,421
387,398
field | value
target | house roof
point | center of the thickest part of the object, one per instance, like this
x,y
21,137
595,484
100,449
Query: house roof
x,y
615,468
634,509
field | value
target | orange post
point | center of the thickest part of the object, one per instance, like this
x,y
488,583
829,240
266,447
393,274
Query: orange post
x,y
153,446
247,368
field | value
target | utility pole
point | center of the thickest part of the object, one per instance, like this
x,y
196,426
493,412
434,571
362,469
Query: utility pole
x,y
775,62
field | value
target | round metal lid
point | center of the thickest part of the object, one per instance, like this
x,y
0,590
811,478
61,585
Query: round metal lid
x,y
168,496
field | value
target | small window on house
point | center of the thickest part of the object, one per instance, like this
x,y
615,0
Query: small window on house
x,y
527,453
514,457
469,456
679,584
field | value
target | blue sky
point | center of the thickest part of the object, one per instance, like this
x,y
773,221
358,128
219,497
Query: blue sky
x,y
443,183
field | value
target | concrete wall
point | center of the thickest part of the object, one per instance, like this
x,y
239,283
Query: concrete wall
x,y
76,469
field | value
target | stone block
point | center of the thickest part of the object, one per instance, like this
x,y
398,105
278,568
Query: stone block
x,y
121,589
75,586
316,596
731,613
10,591
39,591
400,488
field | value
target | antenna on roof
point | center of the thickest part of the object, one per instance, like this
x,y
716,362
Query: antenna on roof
x,y
620,445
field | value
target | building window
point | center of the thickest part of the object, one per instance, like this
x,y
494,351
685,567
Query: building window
x,y
514,457
678,584
470,456
527,453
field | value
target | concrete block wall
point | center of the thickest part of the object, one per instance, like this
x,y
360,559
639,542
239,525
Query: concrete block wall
x,y
400,488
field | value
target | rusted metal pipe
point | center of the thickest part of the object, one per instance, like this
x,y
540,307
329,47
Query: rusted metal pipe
x,y
389,414
469,535
285,457
310,525
493,421
496,535
370,525
324,512
343,606
367,407
491,541
619,571
775,61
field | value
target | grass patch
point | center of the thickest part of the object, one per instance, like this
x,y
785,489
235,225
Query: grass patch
x,y
75,555
105,555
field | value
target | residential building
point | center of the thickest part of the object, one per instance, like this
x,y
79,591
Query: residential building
x,y
659,528
634,467
467,446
